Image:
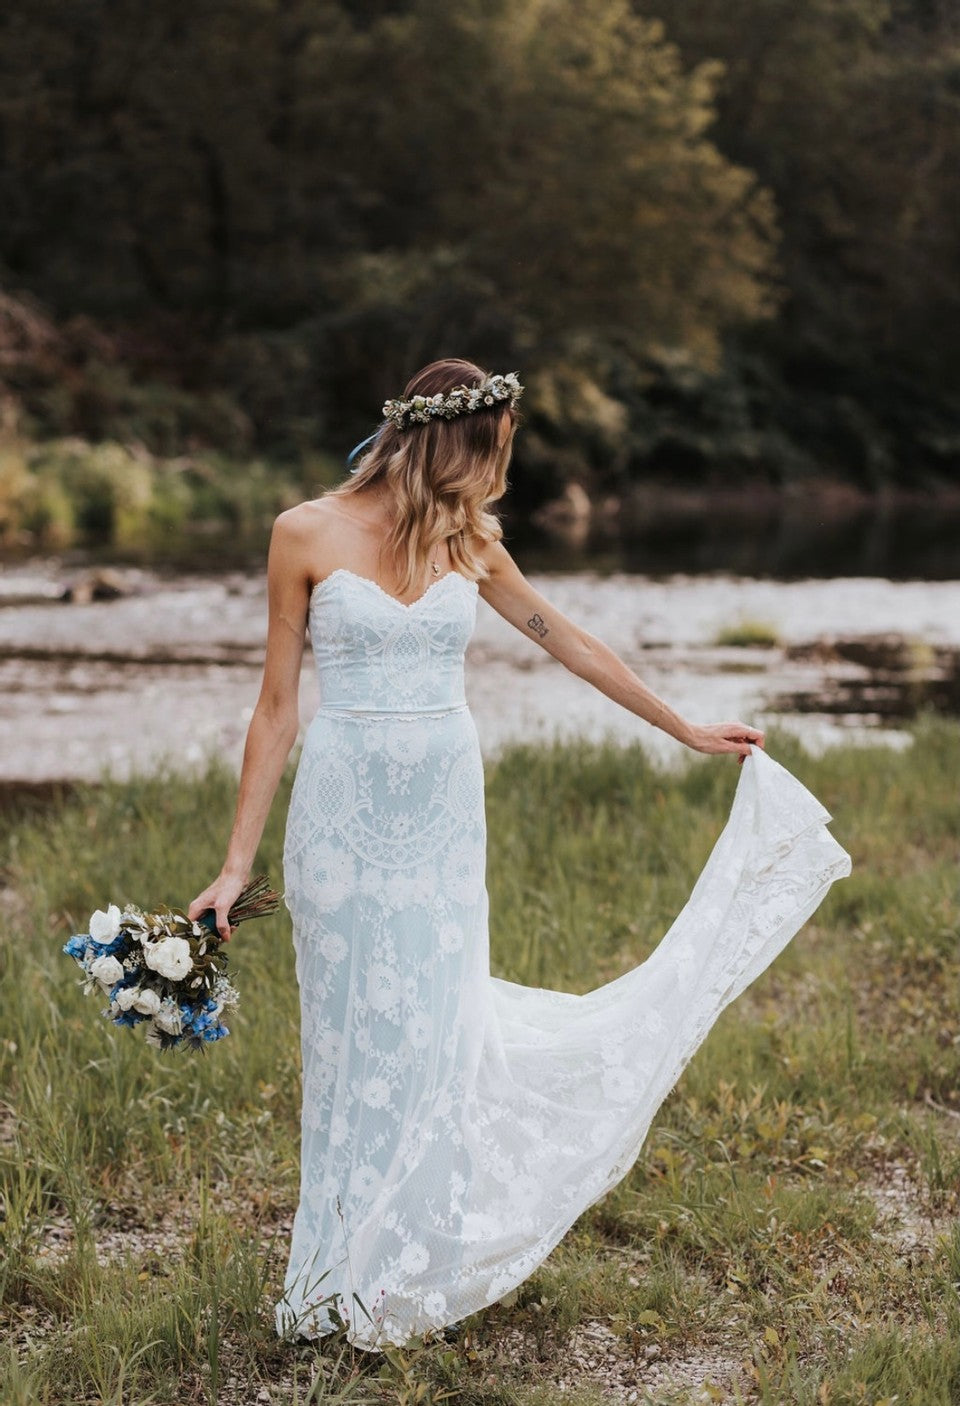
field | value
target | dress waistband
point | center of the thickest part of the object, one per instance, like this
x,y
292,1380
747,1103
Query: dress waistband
x,y
389,714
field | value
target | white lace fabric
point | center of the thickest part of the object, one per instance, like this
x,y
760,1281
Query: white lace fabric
x,y
454,1124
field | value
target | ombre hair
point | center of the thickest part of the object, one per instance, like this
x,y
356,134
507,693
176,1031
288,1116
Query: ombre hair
x,y
442,476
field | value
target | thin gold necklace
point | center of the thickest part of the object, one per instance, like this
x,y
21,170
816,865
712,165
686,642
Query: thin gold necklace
x,y
434,565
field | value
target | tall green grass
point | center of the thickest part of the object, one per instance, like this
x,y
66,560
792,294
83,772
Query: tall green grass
x,y
146,1198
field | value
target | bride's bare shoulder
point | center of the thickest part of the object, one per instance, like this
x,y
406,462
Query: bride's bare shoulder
x,y
300,536
310,512
313,535
308,520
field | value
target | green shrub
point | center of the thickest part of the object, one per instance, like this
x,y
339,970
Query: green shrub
x,y
749,634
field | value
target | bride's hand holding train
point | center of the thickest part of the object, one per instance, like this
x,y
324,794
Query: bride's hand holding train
x,y
726,737
508,591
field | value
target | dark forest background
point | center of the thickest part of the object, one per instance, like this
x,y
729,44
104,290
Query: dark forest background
x,y
719,243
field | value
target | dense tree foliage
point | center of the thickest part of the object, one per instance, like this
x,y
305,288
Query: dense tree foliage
x,y
849,110
713,238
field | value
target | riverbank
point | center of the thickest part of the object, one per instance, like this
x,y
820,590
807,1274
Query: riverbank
x,y
117,505
169,669
788,1232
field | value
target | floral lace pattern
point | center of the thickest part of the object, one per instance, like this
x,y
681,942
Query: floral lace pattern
x,y
454,1124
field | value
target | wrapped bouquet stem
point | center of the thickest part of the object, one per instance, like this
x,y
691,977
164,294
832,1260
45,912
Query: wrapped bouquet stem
x,y
165,969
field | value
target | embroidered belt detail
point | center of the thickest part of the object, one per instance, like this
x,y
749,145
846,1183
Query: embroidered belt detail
x,y
389,714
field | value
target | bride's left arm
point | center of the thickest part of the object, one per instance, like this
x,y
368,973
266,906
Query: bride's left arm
x,y
508,591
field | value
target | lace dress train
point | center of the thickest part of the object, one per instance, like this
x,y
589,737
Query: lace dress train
x,y
454,1124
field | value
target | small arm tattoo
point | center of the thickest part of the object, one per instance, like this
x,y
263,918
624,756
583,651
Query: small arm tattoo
x,y
536,623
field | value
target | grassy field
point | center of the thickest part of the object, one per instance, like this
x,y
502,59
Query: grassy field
x,y
788,1234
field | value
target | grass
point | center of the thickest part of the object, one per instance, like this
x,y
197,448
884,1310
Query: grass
x,y
749,634
786,1235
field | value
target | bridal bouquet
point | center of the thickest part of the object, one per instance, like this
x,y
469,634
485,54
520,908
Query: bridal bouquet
x,y
165,969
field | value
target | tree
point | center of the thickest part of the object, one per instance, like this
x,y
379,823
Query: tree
x,y
849,110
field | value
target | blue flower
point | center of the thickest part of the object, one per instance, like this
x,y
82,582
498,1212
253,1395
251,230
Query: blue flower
x,y
130,1017
109,949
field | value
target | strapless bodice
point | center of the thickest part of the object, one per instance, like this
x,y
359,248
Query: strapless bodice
x,y
374,654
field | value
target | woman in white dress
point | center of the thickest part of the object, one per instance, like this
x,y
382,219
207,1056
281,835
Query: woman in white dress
x,y
455,1125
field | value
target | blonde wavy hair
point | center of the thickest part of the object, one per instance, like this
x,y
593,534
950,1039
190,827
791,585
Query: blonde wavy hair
x,y
442,476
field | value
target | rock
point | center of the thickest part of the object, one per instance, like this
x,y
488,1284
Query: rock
x,y
104,583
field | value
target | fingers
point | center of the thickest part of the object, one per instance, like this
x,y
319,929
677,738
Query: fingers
x,y
745,736
202,902
740,739
210,898
735,737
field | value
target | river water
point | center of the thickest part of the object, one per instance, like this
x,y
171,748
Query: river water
x,y
171,671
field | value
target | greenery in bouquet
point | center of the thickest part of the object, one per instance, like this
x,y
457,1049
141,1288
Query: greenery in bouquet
x,y
163,968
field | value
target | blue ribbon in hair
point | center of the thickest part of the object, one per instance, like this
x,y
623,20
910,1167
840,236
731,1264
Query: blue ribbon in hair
x,y
358,449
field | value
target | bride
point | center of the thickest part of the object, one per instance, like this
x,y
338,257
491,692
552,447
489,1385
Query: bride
x,y
454,1124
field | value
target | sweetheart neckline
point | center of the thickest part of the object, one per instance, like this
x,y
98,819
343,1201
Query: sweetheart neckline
x,y
403,605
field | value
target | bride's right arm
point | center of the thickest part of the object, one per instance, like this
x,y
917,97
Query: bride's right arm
x,y
275,722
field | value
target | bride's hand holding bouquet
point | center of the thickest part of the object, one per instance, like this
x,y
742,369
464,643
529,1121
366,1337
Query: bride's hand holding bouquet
x,y
218,899
167,967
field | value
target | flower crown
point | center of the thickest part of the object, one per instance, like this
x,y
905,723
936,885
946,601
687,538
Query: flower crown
x,y
421,409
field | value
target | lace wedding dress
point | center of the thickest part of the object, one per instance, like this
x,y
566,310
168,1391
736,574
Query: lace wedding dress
x,y
455,1125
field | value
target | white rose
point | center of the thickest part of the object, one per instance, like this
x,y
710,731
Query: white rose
x,y
105,926
170,957
106,970
148,1000
126,997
